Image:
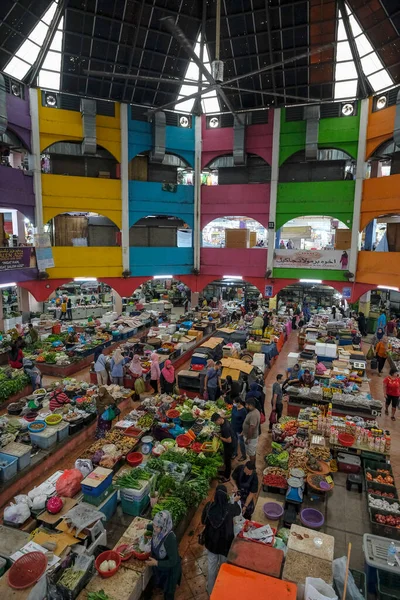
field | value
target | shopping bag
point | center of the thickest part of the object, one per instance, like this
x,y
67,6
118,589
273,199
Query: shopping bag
x,y
370,353
374,363
262,418
317,589
272,417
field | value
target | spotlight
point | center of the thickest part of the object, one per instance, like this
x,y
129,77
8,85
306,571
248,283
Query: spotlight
x,y
381,102
347,109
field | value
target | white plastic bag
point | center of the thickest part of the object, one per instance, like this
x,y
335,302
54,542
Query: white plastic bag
x,y
238,522
22,499
39,502
17,513
84,465
317,589
339,572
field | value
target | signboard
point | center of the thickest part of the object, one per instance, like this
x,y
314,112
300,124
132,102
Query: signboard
x,y
44,258
346,293
311,259
17,258
269,291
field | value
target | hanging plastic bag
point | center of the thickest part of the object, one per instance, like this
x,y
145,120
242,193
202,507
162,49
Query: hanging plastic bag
x,y
84,465
69,484
317,589
339,572
139,386
370,353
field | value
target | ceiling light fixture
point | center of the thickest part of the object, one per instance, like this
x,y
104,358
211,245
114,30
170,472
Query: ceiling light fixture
x,y
388,287
6,285
232,277
347,109
163,276
310,280
381,102
85,278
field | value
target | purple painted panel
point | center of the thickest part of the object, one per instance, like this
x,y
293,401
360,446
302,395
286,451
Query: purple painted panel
x,y
19,119
16,191
18,275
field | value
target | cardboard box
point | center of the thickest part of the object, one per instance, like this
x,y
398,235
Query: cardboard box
x,y
343,239
253,239
237,238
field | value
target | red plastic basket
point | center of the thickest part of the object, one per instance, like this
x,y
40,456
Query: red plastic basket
x,y
27,570
109,555
172,414
183,441
141,555
249,524
121,548
345,439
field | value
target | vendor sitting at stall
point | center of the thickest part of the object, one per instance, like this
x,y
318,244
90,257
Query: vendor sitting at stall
x,y
15,356
103,401
71,338
246,479
32,335
258,322
307,379
58,399
293,375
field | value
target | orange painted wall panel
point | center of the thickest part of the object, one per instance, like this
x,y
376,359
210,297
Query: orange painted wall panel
x,y
381,196
378,268
380,127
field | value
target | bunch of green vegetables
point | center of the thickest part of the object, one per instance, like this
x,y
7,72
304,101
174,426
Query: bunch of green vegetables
x,y
12,381
174,505
131,480
154,464
101,595
192,492
70,578
50,357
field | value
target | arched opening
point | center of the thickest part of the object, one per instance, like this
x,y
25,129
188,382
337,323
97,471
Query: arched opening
x,y
161,231
85,297
234,232
382,234
311,298
173,170
230,291
163,293
223,171
16,229
83,229
331,165
314,233
68,158
384,161
13,152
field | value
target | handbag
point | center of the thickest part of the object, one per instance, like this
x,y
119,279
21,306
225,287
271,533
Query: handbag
x,y
108,414
262,418
374,363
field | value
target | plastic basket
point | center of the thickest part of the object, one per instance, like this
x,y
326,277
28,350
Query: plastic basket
x,y
388,585
10,469
68,594
27,570
374,464
109,555
382,488
382,529
62,432
135,509
45,439
360,581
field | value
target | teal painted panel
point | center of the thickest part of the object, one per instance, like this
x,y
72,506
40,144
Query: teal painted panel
x,y
161,261
178,140
324,274
318,198
148,198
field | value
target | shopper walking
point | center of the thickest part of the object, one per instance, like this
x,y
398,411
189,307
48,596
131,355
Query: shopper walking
x,y
135,368
69,309
381,323
251,429
381,354
100,367
277,401
165,559
117,367
238,416
155,372
167,378
212,381
246,479
258,395
218,518
63,310
225,436
391,387
362,324
104,400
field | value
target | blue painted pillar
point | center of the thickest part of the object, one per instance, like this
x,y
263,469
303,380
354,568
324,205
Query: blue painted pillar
x,y
277,239
370,233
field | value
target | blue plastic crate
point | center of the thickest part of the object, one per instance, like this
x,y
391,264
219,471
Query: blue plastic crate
x,y
10,469
96,491
24,460
109,506
45,439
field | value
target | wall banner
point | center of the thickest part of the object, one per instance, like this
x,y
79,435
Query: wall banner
x,y
311,259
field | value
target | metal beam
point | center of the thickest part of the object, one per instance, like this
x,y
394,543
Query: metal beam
x,y
134,44
270,49
364,85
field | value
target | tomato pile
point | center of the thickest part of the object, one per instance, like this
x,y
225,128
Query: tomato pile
x,y
379,493
388,520
386,480
275,481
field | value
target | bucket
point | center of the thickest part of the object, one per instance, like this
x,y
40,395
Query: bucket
x,y
56,328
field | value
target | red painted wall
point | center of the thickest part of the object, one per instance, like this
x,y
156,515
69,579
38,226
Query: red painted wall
x,y
233,261
247,200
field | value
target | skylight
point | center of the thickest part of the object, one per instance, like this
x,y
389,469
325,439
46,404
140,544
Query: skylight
x,y
346,80
209,101
49,74
27,53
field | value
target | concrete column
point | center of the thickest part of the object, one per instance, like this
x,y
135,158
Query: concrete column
x,y
360,175
21,227
364,303
34,305
117,302
23,303
197,193
35,158
124,186
277,239
194,299
274,187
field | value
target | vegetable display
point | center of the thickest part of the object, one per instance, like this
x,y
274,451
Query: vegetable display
x,y
275,481
70,578
98,596
12,381
131,480
176,507
107,566
388,520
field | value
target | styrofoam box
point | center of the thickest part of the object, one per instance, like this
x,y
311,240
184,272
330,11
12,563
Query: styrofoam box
x,y
259,360
292,358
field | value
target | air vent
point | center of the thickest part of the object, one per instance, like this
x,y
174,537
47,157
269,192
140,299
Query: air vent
x,y
226,120
330,110
392,96
171,118
105,108
294,113
13,87
258,117
138,113
68,102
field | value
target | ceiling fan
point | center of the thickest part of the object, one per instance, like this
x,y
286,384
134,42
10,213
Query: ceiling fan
x,y
214,80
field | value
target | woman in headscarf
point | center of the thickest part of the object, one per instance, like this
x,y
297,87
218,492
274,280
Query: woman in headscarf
x,y
167,379
103,401
217,519
117,367
259,396
135,368
165,559
155,372
379,334
100,367
33,372
15,357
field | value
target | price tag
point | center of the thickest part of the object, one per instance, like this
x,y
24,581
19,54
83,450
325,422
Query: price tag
x,y
329,479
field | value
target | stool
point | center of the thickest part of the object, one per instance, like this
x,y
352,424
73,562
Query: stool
x,y
353,479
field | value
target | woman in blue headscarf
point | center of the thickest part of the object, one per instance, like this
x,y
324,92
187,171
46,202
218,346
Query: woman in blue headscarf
x,y
165,559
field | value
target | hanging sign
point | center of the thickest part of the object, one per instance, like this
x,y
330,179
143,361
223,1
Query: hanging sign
x,y
269,291
22,257
312,259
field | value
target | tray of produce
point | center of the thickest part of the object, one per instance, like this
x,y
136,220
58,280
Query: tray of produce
x,y
317,466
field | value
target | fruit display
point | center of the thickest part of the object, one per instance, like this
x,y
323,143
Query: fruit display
x,y
388,520
298,459
384,479
379,493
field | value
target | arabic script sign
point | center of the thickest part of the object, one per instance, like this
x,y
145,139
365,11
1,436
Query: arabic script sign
x,y
312,259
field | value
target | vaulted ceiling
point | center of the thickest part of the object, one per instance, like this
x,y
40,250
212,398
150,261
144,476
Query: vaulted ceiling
x,y
279,40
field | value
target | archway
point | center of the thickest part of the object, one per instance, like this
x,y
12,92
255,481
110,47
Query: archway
x,y
234,232
331,165
164,293
233,289
83,229
385,160
161,231
223,171
382,234
173,170
314,232
68,158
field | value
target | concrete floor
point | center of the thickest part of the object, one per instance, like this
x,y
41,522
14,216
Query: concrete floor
x,y
345,512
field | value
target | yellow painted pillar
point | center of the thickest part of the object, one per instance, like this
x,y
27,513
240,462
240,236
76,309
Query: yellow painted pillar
x,y
272,302
364,303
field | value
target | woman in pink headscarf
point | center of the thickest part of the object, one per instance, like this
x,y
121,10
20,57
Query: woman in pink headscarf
x,y
135,368
155,372
167,379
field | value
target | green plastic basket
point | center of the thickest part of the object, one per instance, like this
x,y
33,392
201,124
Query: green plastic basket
x,y
388,585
